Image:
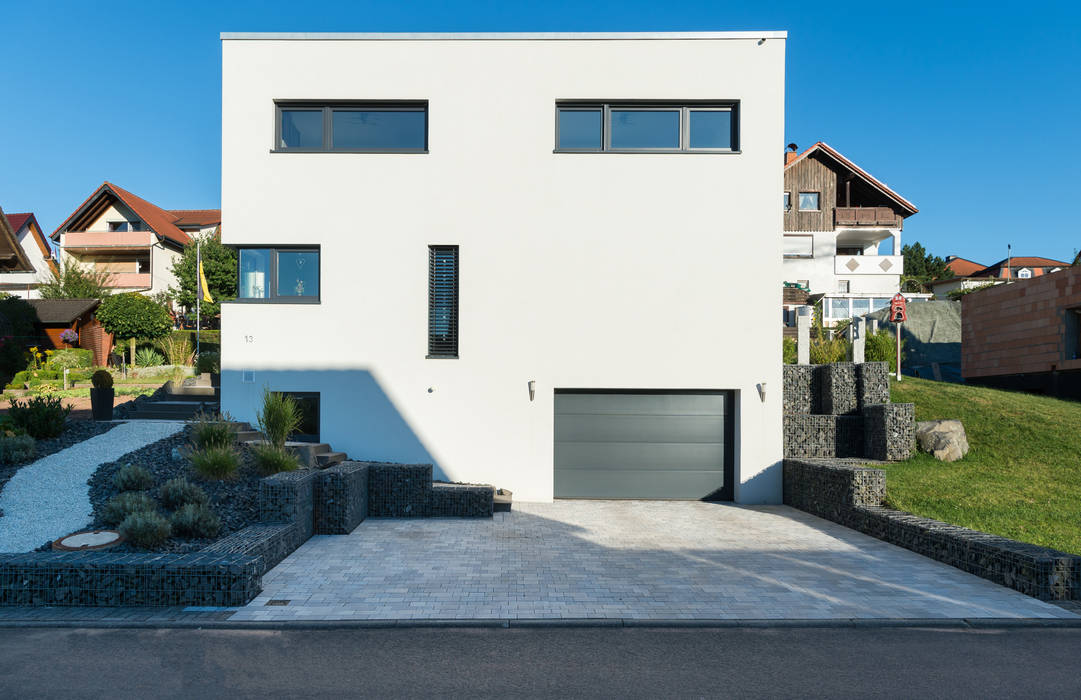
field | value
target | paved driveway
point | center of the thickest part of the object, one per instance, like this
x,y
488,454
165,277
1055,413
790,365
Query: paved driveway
x,y
622,559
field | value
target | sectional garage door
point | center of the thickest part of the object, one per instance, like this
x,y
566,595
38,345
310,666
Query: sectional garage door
x,y
643,444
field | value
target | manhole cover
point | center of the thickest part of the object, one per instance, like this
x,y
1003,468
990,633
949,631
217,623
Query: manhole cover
x,y
90,539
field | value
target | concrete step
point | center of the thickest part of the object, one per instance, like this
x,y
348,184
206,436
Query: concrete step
x,y
249,436
149,414
329,459
307,451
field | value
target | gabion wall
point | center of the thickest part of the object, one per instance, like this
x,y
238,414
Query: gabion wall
x,y
838,389
341,498
799,389
407,491
852,496
823,436
889,431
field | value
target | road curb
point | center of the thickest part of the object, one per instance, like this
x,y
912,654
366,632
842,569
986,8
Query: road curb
x,y
545,623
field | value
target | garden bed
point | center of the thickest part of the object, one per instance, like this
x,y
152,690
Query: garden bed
x,y
74,432
235,501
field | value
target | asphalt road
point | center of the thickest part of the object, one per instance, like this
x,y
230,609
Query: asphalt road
x,y
620,662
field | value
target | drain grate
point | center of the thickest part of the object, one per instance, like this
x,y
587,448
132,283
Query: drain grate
x,y
277,601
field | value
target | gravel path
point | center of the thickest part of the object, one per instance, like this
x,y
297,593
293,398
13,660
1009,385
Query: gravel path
x,y
51,498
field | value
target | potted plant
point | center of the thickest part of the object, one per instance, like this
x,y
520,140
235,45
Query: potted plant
x,y
69,337
101,395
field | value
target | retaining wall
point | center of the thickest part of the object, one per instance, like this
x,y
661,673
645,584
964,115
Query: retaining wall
x,y
852,495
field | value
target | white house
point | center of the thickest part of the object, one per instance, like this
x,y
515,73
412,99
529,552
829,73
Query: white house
x,y
132,240
521,257
842,234
25,255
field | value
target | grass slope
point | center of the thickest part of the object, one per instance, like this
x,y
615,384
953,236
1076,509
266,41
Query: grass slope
x,y
1022,477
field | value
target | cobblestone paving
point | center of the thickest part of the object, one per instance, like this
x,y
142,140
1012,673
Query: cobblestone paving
x,y
623,559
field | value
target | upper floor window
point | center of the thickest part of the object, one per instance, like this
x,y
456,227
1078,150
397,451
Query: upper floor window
x,y
658,127
1024,273
787,201
351,127
279,274
124,226
808,201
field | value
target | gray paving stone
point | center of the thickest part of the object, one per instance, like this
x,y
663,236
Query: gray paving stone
x,y
623,559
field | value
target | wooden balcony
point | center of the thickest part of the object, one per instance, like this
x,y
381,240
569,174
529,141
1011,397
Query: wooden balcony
x,y
866,216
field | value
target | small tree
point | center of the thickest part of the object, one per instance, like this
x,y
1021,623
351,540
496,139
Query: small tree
x,y
219,266
74,282
130,316
921,267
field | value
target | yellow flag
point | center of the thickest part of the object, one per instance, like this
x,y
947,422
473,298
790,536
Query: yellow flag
x,y
203,284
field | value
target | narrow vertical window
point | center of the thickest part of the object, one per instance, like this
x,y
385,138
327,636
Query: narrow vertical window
x,y
443,301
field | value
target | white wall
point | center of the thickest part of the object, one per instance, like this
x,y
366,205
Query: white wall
x,y
820,271
577,270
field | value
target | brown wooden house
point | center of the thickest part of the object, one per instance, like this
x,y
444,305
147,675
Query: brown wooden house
x,y
57,315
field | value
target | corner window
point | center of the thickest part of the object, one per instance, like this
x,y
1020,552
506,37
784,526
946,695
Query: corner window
x,y
278,274
351,127
787,201
443,301
659,127
1024,273
808,201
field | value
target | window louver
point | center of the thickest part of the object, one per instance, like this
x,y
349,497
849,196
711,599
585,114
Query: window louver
x,y
443,301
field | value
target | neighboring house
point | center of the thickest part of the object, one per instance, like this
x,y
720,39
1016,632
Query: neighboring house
x,y
1027,335
35,247
836,218
22,261
134,241
521,257
54,316
972,275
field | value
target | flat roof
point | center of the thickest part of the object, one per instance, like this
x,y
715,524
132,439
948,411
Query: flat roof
x,y
492,36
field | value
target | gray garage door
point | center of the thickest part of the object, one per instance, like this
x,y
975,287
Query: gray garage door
x,y
643,444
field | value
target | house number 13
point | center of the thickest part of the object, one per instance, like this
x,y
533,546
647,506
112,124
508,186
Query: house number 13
x,y
249,339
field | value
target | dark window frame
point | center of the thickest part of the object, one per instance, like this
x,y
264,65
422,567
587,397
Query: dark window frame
x,y
328,108
788,200
272,296
447,347
685,107
308,437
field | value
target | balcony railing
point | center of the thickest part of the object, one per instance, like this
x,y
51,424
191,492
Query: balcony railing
x,y
129,280
866,216
846,265
107,239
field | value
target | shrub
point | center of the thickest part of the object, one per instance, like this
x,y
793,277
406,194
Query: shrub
x,y
208,362
177,348
215,462
70,359
148,357
195,520
40,416
212,430
175,493
826,350
16,448
271,459
101,379
279,418
788,351
145,529
882,347
124,504
132,477
132,315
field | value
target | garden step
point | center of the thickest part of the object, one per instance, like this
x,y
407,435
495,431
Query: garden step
x,y
329,459
249,436
307,451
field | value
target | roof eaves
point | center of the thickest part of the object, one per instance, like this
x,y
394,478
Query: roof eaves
x,y
871,179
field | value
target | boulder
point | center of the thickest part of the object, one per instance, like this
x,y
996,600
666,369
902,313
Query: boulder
x,y
945,439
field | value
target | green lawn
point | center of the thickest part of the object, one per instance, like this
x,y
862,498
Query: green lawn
x,y
1022,476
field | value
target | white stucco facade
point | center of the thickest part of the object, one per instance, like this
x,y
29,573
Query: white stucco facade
x,y
577,270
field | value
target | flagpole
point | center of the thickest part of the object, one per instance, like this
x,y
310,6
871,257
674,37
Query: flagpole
x,y
198,290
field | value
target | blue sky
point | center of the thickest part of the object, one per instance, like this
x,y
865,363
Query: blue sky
x,y
970,110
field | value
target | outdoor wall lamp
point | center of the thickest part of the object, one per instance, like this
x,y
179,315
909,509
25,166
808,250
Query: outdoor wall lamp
x,y
532,389
762,390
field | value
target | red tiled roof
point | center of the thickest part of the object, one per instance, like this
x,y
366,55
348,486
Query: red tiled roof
x,y
17,220
963,268
160,221
870,179
196,217
1018,261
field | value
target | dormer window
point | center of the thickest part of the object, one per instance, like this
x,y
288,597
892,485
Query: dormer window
x,y
1024,273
